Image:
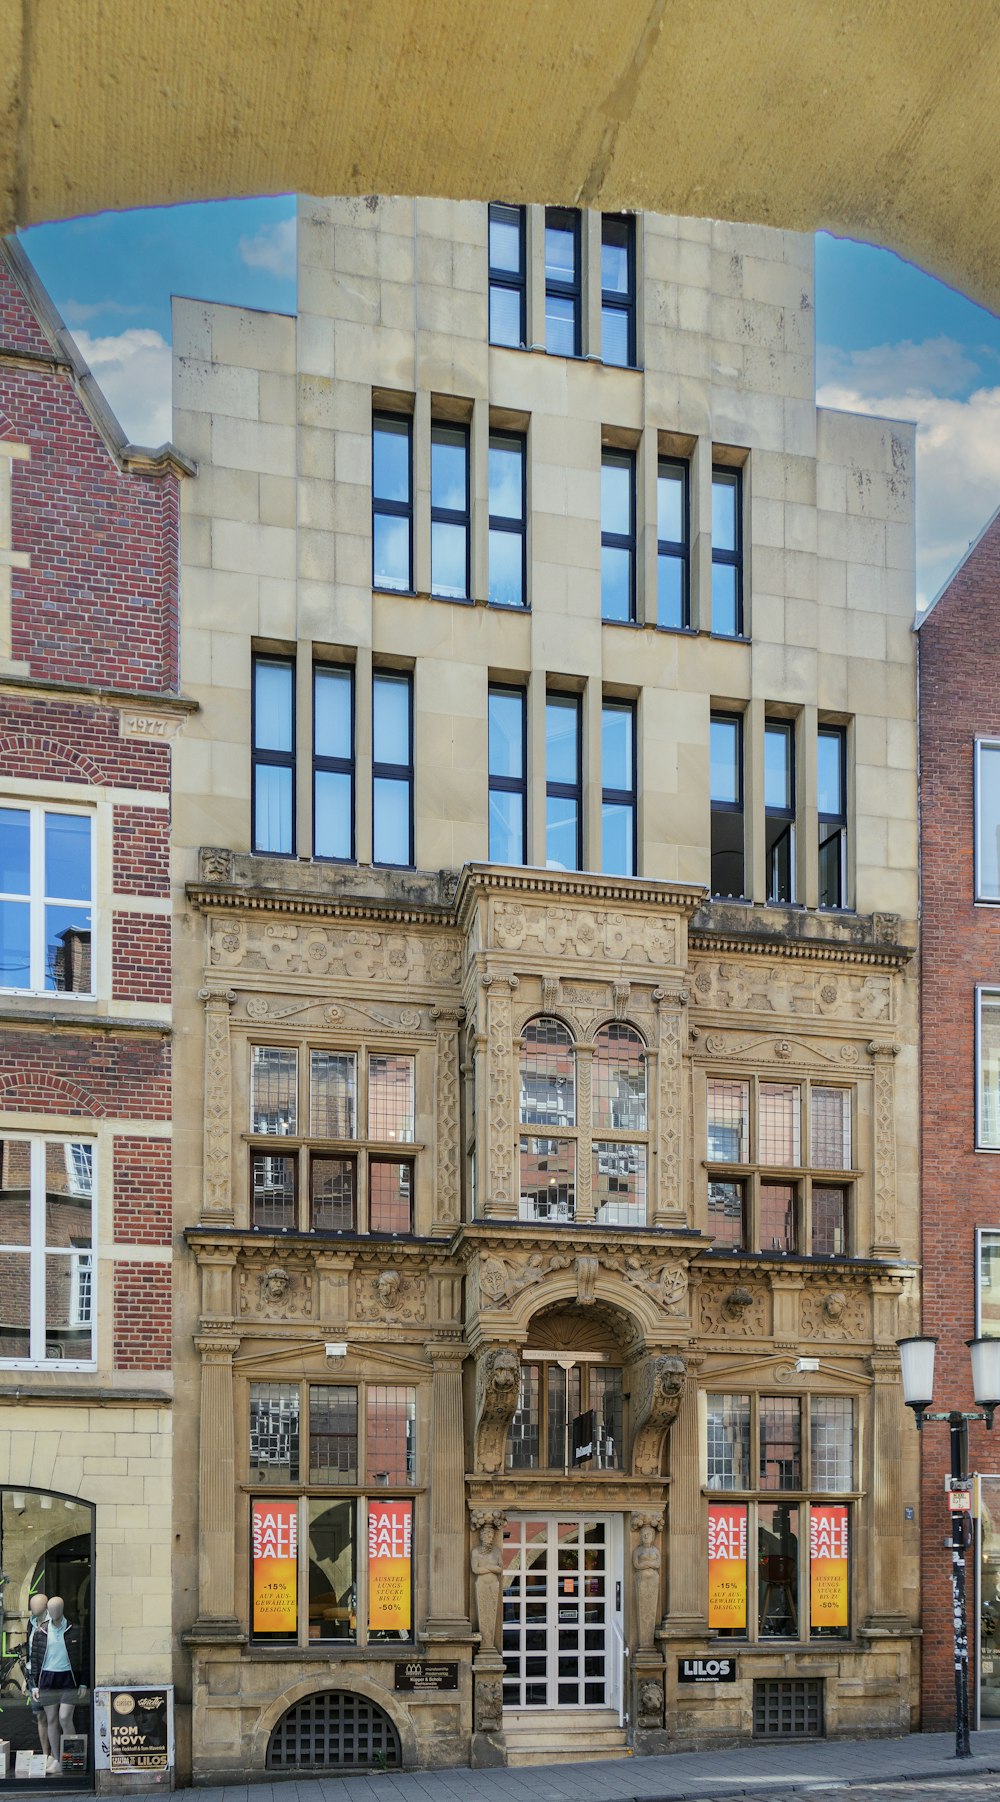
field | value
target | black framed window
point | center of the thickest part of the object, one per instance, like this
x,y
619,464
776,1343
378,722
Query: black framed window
x,y
450,511
508,785
727,553
831,771
779,809
673,541
333,761
508,510
392,501
618,788
392,767
618,289
563,783
617,535
726,787
273,755
507,266
562,281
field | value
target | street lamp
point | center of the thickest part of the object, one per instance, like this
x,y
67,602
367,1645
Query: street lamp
x,y
916,1357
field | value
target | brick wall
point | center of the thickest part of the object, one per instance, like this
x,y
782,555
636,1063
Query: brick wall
x,y
97,607
959,647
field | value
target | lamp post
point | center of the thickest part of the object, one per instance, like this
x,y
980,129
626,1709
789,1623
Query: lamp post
x,y
916,1357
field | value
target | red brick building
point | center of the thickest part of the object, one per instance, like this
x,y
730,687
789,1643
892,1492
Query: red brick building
x,y
88,707
959,650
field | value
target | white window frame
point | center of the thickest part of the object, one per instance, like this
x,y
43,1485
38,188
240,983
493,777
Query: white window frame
x,y
984,1234
38,900
982,744
990,992
36,1253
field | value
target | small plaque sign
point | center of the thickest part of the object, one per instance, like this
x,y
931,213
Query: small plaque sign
x,y
706,1670
424,1673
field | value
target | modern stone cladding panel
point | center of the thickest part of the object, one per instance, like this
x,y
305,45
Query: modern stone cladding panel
x,y
959,643
98,601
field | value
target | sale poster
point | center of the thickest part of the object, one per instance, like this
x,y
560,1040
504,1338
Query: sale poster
x,y
390,1541
727,1565
274,1527
828,1567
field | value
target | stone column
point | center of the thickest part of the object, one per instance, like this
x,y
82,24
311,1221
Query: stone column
x,y
217,1492
495,1102
217,1190
687,1546
885,1243
447,1147
668,1106
448,1615
883,1529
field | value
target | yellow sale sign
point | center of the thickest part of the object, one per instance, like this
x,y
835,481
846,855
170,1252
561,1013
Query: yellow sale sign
x,y
390,1543
727,1565
274,1527
828,1566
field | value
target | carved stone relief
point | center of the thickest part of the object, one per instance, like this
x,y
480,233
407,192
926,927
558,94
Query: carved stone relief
x,y
498,1388
732,1310
883,1055
316,1012
500,1088
276,1292
657,1392
217,1107
671,1098
783,988
501,1277
835,1314
354,954
446,1119
763,1048
585,933
390,1296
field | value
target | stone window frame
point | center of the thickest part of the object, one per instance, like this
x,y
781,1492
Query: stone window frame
x,y
303,1147
803,1497
84,1261
584,1134
804,1175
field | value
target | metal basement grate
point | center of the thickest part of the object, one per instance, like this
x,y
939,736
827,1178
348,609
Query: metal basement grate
x,y
334,1729
788,1708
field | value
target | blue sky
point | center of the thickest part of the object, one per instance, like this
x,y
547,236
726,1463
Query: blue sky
x,y
890,339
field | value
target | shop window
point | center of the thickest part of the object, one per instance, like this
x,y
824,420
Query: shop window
x,y
789,1183
567,1419
616,1155
326,1568
48,1310
804,1449
334,1730
46,896
47,1552
332,1180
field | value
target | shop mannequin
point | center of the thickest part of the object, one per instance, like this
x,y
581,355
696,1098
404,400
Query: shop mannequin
x,y
54,1660
37,1608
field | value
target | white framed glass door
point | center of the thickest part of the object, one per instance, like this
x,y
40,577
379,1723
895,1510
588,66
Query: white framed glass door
x,y
562,1611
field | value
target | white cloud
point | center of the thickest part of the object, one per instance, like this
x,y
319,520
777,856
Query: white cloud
x,y
271,248
77,312
958,440
133,370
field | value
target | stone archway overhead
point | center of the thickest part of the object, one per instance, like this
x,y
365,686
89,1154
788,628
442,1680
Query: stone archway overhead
x,y
860,119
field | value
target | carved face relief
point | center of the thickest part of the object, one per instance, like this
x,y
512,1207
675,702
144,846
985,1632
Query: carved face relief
x,y
387,1288
274,1285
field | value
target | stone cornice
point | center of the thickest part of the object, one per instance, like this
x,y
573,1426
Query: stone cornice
x,y
505,1234
888,957
136,699
211,1243
27,1019
231,898
483,879
839,1270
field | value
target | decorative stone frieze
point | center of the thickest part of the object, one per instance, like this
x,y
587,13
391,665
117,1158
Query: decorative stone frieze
x,y
786,989
732,1308
288,947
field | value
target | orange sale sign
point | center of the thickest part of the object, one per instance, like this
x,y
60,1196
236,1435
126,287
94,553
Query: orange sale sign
x,y
274,1528
828,1565
390,1546
727,1565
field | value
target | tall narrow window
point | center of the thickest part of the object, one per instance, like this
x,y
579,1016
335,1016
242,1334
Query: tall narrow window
x,y
727,553
673,607
392,501
392,768
450,511
273,769
779,809
508,585
333,761
618,793
618,289
508,785
617,535
987,820
726,759
508,312
562,281
988,1069
563,783
46,885
831,770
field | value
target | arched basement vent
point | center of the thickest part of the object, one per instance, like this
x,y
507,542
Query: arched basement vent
x,y
334,1730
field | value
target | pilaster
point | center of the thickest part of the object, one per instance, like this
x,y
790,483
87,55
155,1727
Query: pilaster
x,y
883,1053
216,1492
448,1175
669,1199
885,1514
217,1190
686,1542
448,1614
495,1101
